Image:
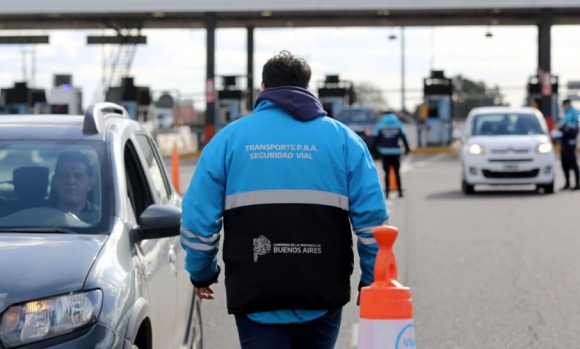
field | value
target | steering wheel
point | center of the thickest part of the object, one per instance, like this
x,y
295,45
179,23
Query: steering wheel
x,y
43,216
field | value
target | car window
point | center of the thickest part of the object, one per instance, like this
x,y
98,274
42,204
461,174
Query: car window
x,y
160,182
137,189
506,124
356,116
51,184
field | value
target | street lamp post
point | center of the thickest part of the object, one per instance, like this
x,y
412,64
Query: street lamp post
x,y
393,37
403,109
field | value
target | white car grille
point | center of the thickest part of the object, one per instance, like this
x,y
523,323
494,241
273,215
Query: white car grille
x,y
510,150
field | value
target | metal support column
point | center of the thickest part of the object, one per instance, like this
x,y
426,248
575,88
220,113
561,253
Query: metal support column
x,y
250,69
210,119
403,109
544,62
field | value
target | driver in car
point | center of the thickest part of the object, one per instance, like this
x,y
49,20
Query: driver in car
x,y
71,183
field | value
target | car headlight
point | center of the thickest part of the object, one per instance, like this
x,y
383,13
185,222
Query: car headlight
x,y
544,148
50,317
475,149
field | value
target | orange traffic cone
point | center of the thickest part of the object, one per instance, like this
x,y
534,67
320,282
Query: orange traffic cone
x,y
386,307
175,167
392,180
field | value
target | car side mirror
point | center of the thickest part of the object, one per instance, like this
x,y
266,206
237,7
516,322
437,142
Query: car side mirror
x,y
158,221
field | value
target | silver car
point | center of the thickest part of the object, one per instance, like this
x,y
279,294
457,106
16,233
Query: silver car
x,y
89,236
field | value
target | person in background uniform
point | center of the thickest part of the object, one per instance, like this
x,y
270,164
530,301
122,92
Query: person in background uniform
x,y
289,185
387,136
569,129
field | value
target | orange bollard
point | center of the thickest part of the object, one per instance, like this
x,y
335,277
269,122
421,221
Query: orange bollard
x,y
392,179
175,167
386,307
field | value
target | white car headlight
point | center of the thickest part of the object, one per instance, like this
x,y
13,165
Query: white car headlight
x,y
544,148
50,317
475,149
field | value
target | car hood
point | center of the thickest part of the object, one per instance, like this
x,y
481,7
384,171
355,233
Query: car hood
x,y
509,142
34,266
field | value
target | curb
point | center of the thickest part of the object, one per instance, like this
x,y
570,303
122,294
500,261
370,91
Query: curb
x,y
453,148
434,150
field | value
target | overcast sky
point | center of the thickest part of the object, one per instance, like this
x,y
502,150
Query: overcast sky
x,y
175,59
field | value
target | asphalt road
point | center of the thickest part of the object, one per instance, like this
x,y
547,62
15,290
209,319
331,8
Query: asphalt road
x,y
496,269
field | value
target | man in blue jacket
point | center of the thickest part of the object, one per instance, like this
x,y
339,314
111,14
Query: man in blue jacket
x,y
289,185
387,136
569,129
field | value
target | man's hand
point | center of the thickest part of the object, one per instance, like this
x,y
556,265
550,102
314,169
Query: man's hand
x,y
205,292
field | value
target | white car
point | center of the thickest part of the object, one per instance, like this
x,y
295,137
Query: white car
x,y
506,146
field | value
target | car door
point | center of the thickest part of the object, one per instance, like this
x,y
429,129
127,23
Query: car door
x,y
167,195
156,256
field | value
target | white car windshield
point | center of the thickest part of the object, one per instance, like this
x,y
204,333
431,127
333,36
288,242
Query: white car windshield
x,y
506,124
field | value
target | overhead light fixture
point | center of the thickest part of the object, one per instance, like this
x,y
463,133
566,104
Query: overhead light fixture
x,y
24,39
383,12
266,14
158,14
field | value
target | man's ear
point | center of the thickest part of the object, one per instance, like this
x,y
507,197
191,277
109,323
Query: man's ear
x,y
264,86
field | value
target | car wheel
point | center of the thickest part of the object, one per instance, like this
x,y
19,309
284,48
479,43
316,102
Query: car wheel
x,y
196,328
548,188
467,188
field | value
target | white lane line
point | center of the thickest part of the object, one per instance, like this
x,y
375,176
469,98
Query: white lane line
x,y
354,337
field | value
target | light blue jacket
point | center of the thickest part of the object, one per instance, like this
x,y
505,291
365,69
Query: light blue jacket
x,y
285,145
570,117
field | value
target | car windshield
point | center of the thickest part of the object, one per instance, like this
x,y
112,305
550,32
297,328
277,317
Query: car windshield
x,y
49,184
506,124
356,116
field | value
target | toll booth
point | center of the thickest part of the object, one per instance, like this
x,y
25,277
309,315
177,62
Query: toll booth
x,y
22,99
164,117
535,94
136,99
63,98
435,127
229,101
335,94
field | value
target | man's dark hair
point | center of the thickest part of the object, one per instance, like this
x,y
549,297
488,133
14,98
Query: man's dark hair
x,y
285,69
74,157
566,101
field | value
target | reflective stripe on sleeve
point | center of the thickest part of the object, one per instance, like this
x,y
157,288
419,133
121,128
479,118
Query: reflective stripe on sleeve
x,y
191,235
197,246
367,241
370,229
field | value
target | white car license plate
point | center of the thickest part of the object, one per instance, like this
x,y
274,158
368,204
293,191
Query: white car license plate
x,y
510,167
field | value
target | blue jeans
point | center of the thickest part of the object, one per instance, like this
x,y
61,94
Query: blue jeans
x,y
320,333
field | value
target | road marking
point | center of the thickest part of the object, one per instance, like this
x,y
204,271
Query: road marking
x,y
354,337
